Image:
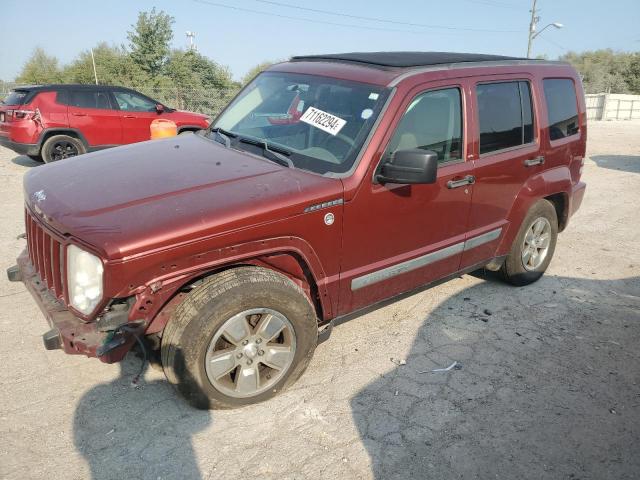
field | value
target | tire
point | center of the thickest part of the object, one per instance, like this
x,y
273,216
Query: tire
x,y
189,346
514,270
60,147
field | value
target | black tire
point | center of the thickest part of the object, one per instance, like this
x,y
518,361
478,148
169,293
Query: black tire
x,y
60,147
513,270
202,313
35,158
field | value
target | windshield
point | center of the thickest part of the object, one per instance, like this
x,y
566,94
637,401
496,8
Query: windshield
x,y
321,123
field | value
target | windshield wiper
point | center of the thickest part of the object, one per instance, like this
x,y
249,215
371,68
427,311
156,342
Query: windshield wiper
x,y
275,154
225,135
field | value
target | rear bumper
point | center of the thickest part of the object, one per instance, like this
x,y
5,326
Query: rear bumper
x,y
68,332
20,148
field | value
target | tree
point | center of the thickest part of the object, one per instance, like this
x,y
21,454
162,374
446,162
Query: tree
x,y
198,82
192,69
255,71
149,41
114,66
40,68
607,71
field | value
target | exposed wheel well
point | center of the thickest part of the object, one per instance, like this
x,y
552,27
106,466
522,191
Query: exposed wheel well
x,y
50,133
288,264
559,201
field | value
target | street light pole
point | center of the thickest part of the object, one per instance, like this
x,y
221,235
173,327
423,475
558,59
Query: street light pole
x,y
532,27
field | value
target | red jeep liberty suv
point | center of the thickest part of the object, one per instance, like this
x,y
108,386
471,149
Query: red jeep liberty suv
x,y
328,185
52,122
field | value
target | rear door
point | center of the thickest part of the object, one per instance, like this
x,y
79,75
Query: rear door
x,y
92,113
507,153
137,113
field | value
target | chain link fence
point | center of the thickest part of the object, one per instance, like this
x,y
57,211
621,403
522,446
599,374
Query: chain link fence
x,y
201,100
208,101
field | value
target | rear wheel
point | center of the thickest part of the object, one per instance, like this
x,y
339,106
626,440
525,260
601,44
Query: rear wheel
x,y
239,338
533,247
60,147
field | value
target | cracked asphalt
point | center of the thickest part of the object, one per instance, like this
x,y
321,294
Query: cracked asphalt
x,y
549,385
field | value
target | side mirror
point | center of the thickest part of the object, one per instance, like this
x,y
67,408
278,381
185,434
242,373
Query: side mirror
x,y
159,108
410,166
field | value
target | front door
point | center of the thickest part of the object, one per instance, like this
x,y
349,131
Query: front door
x,y
398,237
91,112
137,113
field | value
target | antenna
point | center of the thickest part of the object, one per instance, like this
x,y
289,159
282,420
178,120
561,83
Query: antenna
x,y
191,35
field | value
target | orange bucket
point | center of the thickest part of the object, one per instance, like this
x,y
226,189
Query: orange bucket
x,y
163,128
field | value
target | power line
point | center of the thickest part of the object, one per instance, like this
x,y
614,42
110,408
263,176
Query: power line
x,y
494,4
325,22
377,19
555,43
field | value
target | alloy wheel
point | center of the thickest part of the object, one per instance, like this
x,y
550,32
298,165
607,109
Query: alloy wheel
x,y
535,246
250,352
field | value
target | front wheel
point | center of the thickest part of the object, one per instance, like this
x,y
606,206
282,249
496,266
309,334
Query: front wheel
x,y
239,338
533,247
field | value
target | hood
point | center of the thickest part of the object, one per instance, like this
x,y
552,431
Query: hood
x,y
154,194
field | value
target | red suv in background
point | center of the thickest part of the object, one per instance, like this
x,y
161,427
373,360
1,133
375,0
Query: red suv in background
x,y
52,122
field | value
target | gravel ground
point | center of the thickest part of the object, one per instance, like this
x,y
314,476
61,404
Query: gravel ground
x,y
549,385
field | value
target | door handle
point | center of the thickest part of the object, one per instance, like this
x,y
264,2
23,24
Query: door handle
x,y
531,162
79,114
129,116
468,180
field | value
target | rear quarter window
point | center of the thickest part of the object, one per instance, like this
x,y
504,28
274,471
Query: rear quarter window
x,y
562,107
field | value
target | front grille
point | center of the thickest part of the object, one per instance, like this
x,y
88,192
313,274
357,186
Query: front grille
x,y
45,253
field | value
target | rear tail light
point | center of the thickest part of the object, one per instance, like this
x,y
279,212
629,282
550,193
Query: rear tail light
x,y
21,114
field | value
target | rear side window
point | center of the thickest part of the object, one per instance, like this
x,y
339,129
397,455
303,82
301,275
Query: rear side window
x,y
433,121
505,114
17,97
560,94
89,99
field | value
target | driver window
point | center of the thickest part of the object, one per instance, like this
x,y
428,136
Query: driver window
x,y
134,103
433,121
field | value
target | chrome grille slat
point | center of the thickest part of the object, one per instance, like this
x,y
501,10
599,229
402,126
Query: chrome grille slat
x,y
45,255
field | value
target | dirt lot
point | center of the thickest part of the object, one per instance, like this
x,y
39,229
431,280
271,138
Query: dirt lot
x,y
549,385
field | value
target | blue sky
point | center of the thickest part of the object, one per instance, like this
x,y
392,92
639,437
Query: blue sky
x,y
241,39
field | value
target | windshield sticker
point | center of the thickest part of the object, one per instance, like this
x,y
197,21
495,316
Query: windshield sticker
x,y
323,120
366,113
373,96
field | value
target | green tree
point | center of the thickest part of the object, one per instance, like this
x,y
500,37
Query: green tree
x,y
194,70
255,71
607,71
149,41
114,66
40,68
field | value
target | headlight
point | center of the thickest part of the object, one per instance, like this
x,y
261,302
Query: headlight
x,y
84,279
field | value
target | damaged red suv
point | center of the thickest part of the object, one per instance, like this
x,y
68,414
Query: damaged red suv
x,y
330,184
53,122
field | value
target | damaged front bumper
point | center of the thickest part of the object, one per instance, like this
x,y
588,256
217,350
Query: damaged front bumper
x,y
68,332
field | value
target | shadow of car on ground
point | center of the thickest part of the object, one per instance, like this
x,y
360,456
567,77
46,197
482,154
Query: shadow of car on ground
x,y
624,163
25,161
141,430
536,395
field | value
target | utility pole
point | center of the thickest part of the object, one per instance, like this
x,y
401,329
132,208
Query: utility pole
x,y
532,27
93,60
